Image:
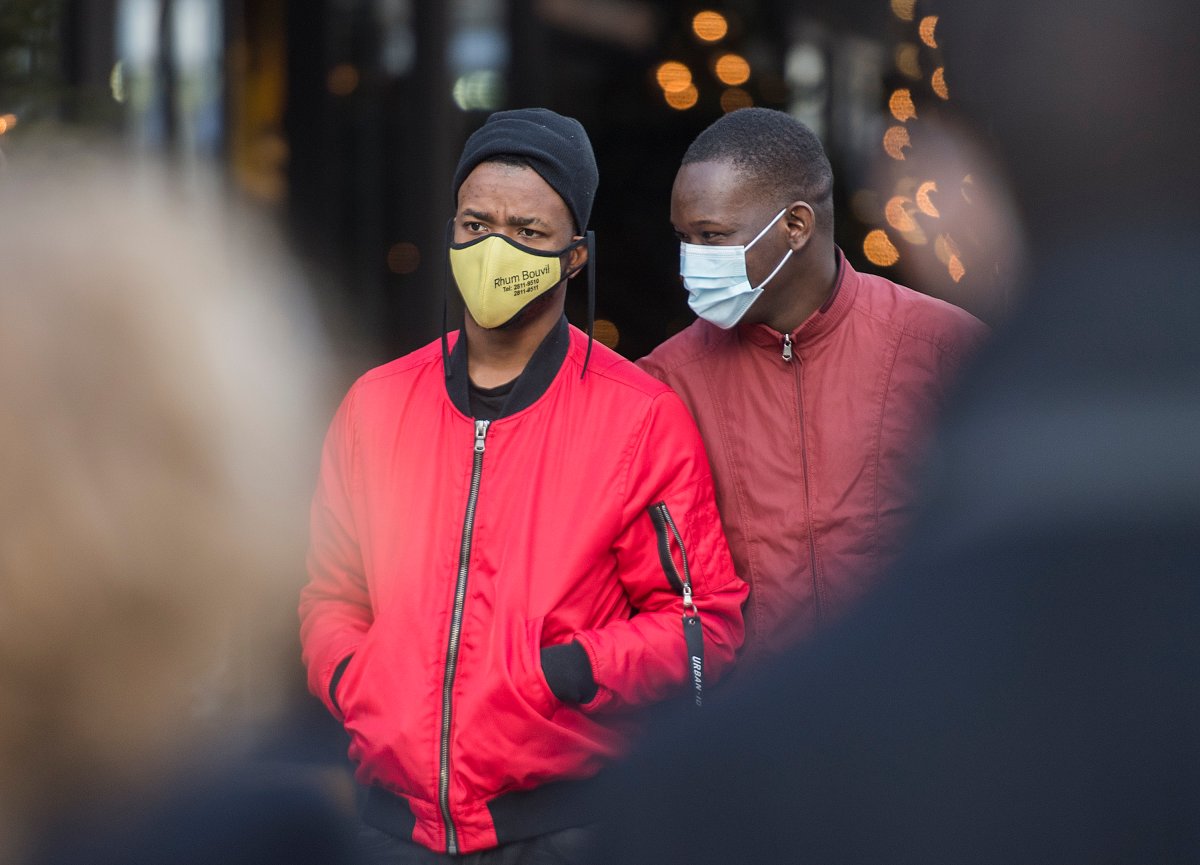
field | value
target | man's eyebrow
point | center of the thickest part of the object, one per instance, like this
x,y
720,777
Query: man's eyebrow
x,y
519,221
514,221
703,223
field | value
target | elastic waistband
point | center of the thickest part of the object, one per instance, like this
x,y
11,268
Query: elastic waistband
x,y
515,816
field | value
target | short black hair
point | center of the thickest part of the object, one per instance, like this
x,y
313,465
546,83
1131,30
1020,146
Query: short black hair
x,y
775,151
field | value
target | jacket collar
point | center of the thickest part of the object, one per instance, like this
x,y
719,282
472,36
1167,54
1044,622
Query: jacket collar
x,y
822,321
533,381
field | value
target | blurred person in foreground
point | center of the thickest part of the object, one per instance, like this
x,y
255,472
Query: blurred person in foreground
x,y
159,379
515,543
1024,688
814,386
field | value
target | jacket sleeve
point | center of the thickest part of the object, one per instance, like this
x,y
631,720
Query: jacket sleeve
x,y
335,607
645,658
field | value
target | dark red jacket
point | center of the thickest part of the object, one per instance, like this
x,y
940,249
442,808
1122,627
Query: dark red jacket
x,y
447,554
814,437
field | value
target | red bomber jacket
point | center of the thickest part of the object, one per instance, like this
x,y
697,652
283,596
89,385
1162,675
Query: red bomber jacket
x,y
814,437
448,553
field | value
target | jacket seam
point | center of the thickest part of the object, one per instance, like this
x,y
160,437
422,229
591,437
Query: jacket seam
x,y
696,352
878,446
743,510
906,330
354,495
599,673
632,447
649,394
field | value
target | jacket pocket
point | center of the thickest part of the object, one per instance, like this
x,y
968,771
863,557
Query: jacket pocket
x,y
535,689
344,689
339,673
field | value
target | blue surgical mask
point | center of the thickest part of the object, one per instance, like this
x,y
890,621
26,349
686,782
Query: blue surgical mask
x,y
715,277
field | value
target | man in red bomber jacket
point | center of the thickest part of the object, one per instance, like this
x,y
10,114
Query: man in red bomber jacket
x,y
515,540
814,386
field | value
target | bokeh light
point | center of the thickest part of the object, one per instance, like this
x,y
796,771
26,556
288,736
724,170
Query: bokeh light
x,y
403,257
924,204
732,69
479,90
908,59
945,248
733,98
938,83
901,105
895,140
968,189
926,29
342,79
673,77
897,214
956,269
606,333
900,213
116,81
903,9
682,100
710,26
879,249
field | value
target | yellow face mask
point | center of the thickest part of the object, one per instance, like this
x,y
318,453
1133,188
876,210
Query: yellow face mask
x,y
498,277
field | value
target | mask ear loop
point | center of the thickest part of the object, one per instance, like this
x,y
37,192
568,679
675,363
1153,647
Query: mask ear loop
x,y
591,302
446,299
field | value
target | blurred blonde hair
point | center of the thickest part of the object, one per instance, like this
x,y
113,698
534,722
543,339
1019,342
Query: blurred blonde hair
x,y
162,384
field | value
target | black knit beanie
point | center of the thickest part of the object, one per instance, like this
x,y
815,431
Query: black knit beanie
x,y
557,148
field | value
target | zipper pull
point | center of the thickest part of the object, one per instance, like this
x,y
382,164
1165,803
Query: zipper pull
x,y
787,347
688,607
481,428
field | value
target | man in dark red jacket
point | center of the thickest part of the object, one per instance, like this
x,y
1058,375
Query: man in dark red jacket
x,y
515,540
813,385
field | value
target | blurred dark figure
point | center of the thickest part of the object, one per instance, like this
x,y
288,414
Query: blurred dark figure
x,y
160,378
1025,686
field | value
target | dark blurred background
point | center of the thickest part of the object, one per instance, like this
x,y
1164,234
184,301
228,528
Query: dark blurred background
x,y
345,118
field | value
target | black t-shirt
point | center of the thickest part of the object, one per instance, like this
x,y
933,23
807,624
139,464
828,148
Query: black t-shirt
x,y
487,402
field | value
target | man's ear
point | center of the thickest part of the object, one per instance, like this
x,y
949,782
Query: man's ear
x,y
799,222
577,257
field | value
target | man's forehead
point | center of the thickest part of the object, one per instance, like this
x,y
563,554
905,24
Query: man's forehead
x,y
715,190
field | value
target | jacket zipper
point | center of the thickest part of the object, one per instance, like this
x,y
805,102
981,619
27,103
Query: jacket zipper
x,y
664,523
812,540
460,597
693,634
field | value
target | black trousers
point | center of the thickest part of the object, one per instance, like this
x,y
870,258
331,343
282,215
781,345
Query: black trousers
x,y
565,847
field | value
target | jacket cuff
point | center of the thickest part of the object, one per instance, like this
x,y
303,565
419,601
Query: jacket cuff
x,y
568,672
